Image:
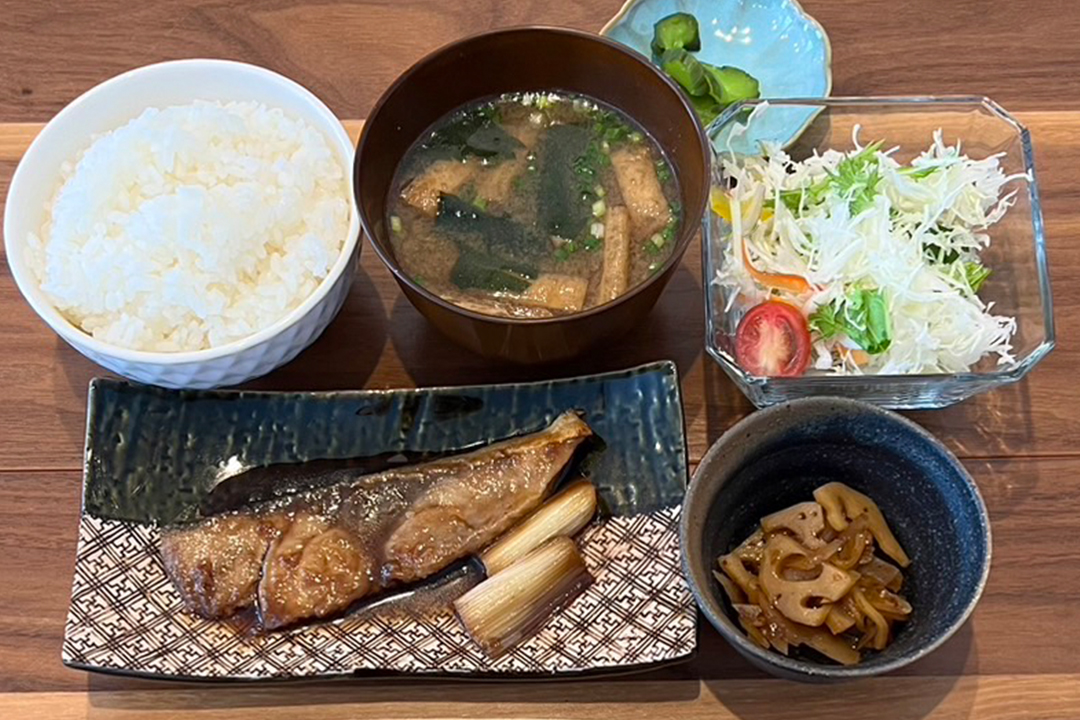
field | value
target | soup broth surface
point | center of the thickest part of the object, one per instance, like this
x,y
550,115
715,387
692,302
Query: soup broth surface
x,y
533,205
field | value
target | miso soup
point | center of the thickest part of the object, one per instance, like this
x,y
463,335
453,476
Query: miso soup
x,y
533,205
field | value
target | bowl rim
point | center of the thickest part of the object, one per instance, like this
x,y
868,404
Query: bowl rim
x,y
691,222
1004,375
28,284
804,668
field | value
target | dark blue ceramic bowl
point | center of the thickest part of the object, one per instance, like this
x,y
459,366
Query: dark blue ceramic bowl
x,y
776,457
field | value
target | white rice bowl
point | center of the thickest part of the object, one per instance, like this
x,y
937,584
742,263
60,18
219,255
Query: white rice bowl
x,y
192,226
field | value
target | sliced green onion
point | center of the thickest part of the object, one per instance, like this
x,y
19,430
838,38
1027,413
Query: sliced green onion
x,y
663,172
395,223
599,208
600,191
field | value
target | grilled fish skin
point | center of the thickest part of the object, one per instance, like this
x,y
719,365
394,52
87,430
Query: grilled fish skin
x,y
314,554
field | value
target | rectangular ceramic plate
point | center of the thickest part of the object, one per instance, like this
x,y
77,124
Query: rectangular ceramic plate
x,y
153,456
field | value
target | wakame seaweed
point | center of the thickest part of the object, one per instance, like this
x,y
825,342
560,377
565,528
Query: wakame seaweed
x,y
491,141
480,271
500,235
476,132
562,211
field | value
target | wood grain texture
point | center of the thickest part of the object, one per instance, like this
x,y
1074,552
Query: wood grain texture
x,y
380,341
1017,658
1009,697
1022,54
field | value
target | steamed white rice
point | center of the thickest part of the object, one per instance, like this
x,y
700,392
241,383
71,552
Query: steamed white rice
x,y
192,226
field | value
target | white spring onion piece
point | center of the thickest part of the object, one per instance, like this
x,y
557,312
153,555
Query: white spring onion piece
x,y
597,230
508,607
561,516
599,208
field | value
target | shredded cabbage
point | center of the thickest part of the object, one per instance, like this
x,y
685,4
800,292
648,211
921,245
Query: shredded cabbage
x,y
891,252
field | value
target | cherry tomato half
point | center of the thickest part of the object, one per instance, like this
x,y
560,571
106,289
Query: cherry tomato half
x,y
773,340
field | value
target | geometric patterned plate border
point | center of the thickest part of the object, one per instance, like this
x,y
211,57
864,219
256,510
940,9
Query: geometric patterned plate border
x,y
126,617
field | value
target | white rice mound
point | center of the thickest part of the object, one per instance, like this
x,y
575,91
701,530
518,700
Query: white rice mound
x,y
192,226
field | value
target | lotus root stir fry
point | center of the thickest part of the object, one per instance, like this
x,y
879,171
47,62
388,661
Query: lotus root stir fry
x,y
811,575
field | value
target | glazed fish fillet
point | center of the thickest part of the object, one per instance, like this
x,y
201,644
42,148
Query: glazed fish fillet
x,y
315,553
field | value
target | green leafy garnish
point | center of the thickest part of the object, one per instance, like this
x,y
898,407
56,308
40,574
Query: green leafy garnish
x,y
937,254
609,127
918,173
862,316
827,320
976,274
796,200
793,199
857,178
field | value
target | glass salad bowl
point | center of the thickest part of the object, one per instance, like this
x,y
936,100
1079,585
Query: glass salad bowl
x,y
1018,284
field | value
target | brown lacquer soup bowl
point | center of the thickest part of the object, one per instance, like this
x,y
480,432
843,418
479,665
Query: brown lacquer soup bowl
x,y
522,60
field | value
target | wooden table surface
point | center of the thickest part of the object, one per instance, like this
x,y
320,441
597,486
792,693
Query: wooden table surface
x,y
1019,657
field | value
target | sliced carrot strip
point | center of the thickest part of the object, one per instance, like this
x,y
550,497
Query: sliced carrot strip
x,y
781,281
859,357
